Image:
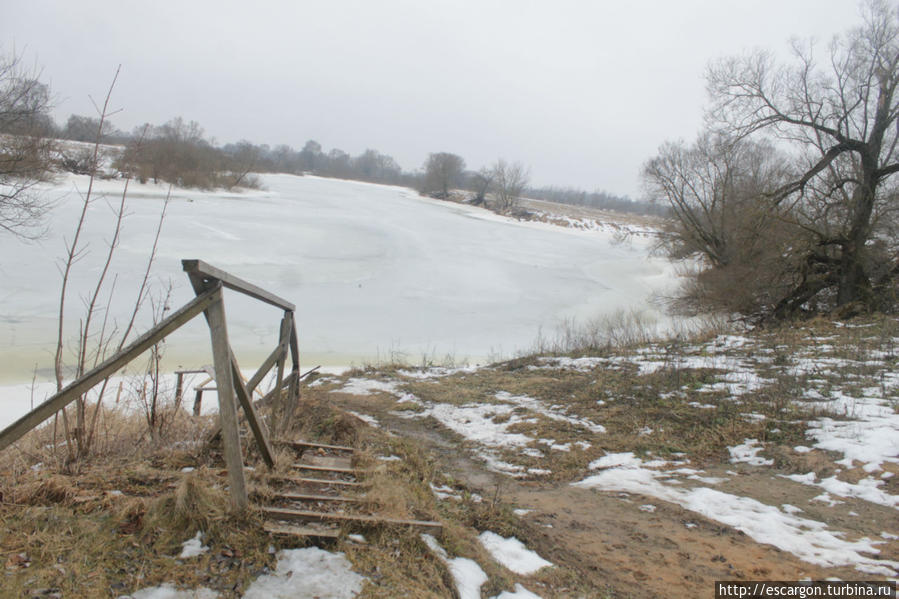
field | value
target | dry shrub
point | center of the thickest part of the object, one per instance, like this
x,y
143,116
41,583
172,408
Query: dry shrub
x,y
324,424
119,433
193,505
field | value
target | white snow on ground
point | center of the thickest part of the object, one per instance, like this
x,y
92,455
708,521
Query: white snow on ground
x,y
434,372
534,405
361,386
445,492
193,547
467,574
168,591
370,420
487,423
870,437
584,364
867,488
748,453
612,460
738,378
309,573
511,553
810,540
476,423
519,593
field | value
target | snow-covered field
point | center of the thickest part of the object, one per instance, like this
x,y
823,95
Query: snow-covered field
x,y
376,272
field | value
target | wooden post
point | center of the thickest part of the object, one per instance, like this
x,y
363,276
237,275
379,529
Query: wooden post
x,y
179,387
198,401
221,355
294,388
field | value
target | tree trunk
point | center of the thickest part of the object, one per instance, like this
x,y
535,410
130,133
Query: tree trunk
x,y
853,282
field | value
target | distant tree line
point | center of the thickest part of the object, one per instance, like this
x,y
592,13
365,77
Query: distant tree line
x,y
596,199
179,152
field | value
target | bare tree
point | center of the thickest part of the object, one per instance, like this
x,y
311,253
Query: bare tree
x,y
25,147
717,191
443,171
509,181
479,182
839,118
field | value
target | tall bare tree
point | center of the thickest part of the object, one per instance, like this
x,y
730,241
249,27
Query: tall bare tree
x,y
839,117
717,190
509,181
443,171
25,147
479,182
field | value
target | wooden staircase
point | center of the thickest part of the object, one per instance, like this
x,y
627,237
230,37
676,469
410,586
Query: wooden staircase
x,y
323,494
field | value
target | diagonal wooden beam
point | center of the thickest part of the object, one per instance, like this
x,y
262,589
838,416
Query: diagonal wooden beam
x,y
277,356
56,402
246,403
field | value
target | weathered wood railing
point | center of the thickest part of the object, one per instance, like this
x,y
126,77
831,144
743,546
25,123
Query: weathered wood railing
x,y
207,282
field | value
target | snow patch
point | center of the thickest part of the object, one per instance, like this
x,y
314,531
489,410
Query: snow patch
x,y
193,547
810,540
467,574
511,553
168,591
308,573
748,453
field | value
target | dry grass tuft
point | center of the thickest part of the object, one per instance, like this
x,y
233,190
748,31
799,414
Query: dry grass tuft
x,y
129,515
324,424
55,490
193,505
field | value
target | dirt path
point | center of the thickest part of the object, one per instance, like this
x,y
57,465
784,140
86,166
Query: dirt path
x,y
613,539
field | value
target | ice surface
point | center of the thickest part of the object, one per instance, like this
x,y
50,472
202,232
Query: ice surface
x,y
512,553
374,270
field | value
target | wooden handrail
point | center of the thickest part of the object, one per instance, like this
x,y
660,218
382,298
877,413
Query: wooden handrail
x,y
82,385
207,271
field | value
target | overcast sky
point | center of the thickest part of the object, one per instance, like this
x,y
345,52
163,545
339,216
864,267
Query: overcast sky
x,y
581,91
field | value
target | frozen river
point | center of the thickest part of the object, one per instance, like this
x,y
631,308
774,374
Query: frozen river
x,y
375,271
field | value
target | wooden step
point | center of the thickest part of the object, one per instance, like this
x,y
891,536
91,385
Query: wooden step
x,y
321,532
307,497
306,445
327,461
315,468
308,516
323,482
